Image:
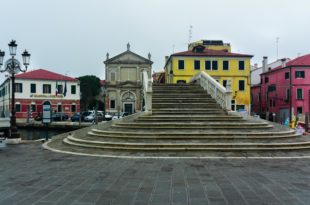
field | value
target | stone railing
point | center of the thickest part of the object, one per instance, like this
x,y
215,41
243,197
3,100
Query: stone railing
x,y
218,92
147,91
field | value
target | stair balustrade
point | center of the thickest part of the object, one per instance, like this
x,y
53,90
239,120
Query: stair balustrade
x,y
147,91
218,92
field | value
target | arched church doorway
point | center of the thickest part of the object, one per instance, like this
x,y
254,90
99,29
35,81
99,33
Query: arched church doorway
x,y
128,101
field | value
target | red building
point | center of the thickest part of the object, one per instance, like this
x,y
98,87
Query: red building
x,y
37,87
284,91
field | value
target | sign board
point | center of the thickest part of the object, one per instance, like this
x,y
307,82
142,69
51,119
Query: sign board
x,y
47,113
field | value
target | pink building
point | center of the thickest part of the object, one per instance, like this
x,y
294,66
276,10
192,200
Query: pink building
x,y
284,90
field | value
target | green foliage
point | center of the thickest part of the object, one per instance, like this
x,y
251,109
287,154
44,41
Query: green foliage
x,y
90,89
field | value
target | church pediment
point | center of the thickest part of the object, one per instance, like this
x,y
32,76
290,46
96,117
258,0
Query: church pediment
x,y
128,57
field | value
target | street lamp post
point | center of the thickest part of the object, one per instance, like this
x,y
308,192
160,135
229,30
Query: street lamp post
x,y
13,66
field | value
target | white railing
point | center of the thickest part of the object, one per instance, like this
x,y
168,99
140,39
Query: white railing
x,y
147,91
218,92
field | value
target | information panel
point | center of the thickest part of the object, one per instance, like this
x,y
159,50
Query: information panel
x,y
47,113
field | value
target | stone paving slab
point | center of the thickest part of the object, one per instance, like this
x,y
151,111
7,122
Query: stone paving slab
x,y
30,174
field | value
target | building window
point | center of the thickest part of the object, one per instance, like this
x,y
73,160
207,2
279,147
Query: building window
x,y
33,88
47,88
113,76
207,65
287,75
241,65
181,64
299,74
225,83
241,85
266,79
33,107
73,89
59,108
73,108
233,105
197,65
17,107
299,95
299,110
181,82
18,87
214,65
60,89
271,88
240,107
112,104
211,65
225,65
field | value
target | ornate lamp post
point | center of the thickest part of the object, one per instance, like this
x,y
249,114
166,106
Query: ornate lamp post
x,y
13,66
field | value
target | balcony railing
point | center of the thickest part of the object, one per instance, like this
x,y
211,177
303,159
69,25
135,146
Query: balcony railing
x,y
147,91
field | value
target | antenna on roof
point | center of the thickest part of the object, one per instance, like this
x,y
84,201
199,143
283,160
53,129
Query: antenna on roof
x,y
190,32
277,45
173,46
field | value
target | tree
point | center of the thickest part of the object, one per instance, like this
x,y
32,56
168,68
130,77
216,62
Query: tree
x,y
90,89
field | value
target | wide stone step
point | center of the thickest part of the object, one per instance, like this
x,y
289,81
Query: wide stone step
x,y
114,138
173,86
194,117
188,110
197,94
183,100
186,146
244,136
177,90
185,105
192,125
188,118
185,111
195,134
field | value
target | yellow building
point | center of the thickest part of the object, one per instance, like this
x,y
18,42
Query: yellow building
x,y
216,59
210,44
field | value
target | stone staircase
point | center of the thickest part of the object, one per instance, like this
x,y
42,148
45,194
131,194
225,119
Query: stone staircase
x,y
185,119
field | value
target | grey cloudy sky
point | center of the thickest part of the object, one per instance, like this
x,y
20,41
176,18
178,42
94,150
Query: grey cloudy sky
x,y
73,36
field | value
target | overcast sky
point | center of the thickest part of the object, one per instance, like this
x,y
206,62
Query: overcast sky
x,y
73,36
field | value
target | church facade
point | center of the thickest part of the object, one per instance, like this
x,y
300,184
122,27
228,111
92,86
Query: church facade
x,y
123,81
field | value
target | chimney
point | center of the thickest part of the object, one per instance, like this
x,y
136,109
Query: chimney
x,y
265,64
283,62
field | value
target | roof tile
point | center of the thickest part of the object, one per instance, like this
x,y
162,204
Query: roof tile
x,y
42,74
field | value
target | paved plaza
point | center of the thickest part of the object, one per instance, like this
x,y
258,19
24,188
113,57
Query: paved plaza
x,y
30,174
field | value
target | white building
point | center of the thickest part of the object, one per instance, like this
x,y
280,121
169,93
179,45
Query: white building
x,y
38,87
256,71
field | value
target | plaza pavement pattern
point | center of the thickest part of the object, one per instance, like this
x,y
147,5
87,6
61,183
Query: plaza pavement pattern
x,y
30,174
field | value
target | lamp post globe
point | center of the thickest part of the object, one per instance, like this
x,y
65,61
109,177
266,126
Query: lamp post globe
x,y
12,47
12,66
2,53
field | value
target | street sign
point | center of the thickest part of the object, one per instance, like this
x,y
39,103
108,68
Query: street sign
x,y
47,114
